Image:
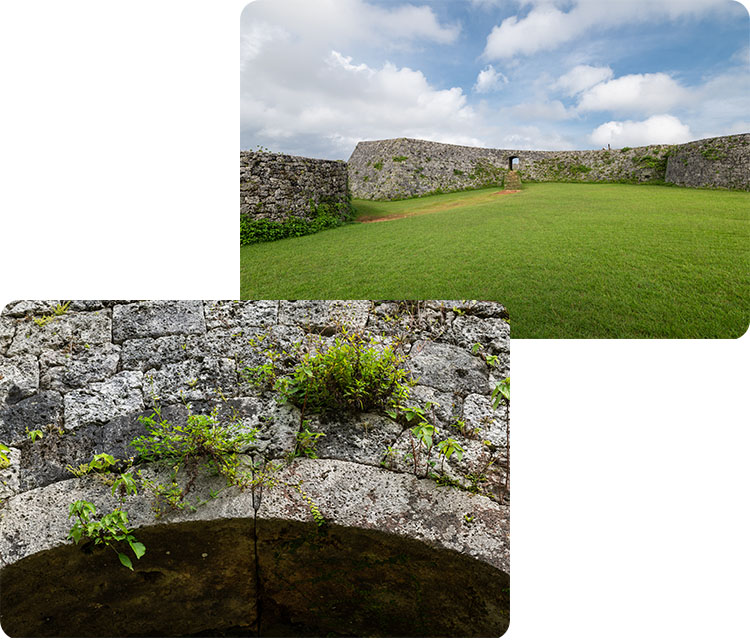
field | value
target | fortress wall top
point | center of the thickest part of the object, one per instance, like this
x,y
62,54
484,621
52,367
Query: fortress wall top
x,y
403,167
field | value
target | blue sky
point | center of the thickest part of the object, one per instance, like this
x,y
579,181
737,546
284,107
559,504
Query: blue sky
x,y
317,76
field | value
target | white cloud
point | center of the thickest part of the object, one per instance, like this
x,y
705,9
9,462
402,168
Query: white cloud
x,y
635,93
489,80
582,77
351,21
302,89
546,26
338,101
255,37
660,129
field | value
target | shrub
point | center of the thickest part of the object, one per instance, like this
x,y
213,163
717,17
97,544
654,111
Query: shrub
x,y
325,216
353,374
399,158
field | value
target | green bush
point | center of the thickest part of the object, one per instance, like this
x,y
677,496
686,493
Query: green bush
x,y
399,158
355,373
325,216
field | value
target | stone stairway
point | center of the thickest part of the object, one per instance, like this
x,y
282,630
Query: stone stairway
x,y
512,180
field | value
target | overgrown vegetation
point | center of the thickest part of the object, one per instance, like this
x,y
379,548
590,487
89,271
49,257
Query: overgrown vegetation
x,y
355,373
205,443
323,216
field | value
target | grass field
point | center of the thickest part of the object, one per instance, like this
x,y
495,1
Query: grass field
x,y
567,260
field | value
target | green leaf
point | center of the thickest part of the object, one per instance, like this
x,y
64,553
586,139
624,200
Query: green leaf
x,y
125,560
138,548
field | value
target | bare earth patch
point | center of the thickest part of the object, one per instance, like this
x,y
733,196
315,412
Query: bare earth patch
x,y
438,207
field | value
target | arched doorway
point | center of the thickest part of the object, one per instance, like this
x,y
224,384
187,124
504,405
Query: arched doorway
x,y
513,163
249,577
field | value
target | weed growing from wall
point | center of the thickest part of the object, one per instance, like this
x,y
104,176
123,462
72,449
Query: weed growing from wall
x,y
355,373
203,443
112,529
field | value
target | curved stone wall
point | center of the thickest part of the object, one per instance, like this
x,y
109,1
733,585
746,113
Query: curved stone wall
x,y
402,167
274,186
399,539
713,162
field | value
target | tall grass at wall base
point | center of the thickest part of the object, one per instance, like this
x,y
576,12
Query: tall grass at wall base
x,y
324,216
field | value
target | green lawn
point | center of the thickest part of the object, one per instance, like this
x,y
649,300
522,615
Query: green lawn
x,y
567,260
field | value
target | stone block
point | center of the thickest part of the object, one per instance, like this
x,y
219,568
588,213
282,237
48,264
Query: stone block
x,y
324,316
446,367
19,378
35,412
100,402
157,318
67,332
63,371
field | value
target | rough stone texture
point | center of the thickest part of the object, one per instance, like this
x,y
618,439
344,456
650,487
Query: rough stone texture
x,y
41,411
275,186
403,167
65,371
446,367
67,333
153,319
19,377
325,316
102,401
86,377
713,162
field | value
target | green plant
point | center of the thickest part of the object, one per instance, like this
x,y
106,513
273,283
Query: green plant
x,y
307,442
399,158
61,309
110,529
314,509
501,392
34,434
355,373
204,442
4,459
378,165
101,462
322,216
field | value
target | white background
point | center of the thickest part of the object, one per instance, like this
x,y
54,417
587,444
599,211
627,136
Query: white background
x,y
118,179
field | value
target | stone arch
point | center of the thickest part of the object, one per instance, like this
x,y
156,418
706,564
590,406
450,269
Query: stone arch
x,y
247,564
513,163
270,578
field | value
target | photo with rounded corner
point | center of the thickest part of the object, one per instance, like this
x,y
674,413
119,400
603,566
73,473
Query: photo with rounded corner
x,y
593,176
265,468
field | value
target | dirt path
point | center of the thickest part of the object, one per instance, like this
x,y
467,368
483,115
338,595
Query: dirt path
x,y
438,207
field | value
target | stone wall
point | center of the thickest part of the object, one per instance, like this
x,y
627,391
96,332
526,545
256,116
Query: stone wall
x,y
402,167
713,162
400,538
274,186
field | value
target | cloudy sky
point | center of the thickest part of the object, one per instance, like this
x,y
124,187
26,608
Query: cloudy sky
x,y
317,76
